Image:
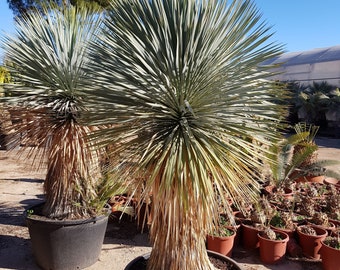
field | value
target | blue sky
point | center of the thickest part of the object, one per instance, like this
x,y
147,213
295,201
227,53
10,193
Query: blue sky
x,y
298,24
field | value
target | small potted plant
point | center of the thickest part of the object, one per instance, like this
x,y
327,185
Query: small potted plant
x,y
256,221
330,253
310,238
333,205
321,220
222,239
283,221
273,245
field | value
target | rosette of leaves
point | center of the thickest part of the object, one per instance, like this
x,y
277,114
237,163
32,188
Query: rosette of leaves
x,y
182,83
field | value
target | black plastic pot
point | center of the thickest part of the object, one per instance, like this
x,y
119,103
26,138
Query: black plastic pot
x,y
71,244
140,262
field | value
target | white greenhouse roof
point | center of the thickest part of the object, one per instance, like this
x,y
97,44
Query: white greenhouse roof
x,y
307,57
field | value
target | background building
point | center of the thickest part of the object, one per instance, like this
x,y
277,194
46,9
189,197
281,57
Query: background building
x,y
306,67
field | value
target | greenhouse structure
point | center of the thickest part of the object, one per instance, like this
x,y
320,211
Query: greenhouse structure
x,y
306,67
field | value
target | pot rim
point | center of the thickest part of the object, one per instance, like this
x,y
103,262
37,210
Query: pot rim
x,y
212,253
65,222
327,246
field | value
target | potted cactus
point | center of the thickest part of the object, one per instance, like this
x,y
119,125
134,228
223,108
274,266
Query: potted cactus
x,y
310,238
330,253
222,239
273,245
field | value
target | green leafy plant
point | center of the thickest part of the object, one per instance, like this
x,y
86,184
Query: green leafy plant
x,y
284,220
224,232
29,212
223,228
295,156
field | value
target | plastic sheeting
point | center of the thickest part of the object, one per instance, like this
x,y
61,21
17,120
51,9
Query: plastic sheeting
x,y
307,66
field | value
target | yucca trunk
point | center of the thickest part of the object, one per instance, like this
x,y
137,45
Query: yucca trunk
x,y
179,229
71,171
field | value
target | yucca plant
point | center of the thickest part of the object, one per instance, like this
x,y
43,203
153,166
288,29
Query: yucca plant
x,y
47,57
181,84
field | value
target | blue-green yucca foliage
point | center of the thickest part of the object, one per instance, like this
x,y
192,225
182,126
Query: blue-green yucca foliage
x,y
48,54
181,84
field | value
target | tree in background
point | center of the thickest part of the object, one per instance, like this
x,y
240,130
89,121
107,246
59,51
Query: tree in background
x,y
5,76
20,7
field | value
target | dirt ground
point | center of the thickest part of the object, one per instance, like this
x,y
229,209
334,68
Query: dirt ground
x,y
20,187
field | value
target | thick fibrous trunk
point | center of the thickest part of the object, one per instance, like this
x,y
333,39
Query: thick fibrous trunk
x,y
69,181
178,232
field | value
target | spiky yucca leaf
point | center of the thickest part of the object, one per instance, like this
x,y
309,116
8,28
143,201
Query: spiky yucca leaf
x,y
181,84
48,54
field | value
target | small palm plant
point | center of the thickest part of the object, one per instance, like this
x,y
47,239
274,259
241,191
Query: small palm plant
x,y
296,157
181,84
47,57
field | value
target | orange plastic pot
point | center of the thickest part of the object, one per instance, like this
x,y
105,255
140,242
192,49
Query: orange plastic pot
x,y
330,257
222,245
311,244
332,181
249,238
272,251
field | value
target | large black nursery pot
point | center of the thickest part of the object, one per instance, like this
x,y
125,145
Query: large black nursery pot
x,y
66,245
139,263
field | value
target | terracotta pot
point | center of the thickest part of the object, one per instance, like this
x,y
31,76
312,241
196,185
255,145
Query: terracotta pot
x,y
293,249
249,238
237,228
335,222
239,216
271,189
288,193
332,181
312,179
221,244
316,179
330,257
272,251
311,244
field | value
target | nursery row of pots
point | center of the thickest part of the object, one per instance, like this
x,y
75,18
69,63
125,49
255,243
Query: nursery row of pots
x,y
294,242
299,243
295,233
